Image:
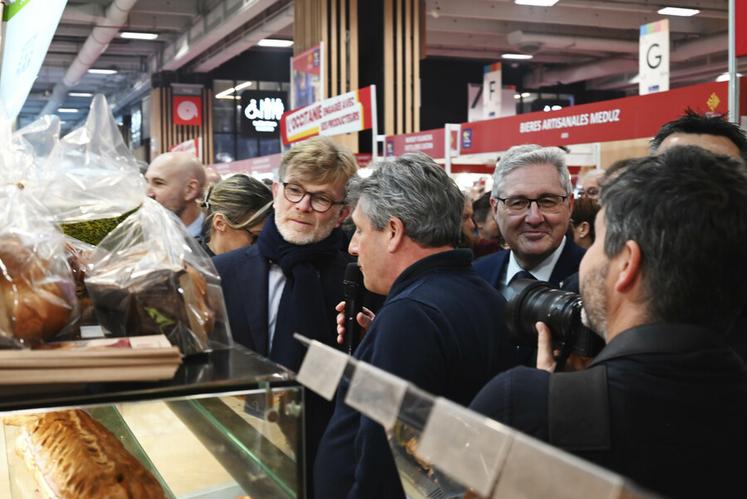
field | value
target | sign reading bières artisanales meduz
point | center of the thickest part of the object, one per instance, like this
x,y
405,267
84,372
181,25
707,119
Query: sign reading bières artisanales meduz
x,y
261,111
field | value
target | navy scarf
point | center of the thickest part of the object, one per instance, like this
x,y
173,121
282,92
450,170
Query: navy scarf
x,y
302,306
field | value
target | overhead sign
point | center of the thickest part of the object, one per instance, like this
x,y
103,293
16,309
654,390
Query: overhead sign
x,y
740,18
618,119
186,110
262,164
29,28
491,91
307,77
430,142
261,111
346,113
653,58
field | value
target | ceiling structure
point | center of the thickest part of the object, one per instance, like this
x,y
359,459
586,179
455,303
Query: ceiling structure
x,y
574,40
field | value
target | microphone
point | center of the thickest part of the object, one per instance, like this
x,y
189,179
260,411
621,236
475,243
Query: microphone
x,y
354,290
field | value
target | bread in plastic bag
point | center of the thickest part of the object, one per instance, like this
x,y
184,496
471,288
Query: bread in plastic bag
x,y
149,276
90,180
37,292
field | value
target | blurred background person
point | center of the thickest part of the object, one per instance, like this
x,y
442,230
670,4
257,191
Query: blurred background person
x,y
177,181
235,212
489,239
588,184
582,221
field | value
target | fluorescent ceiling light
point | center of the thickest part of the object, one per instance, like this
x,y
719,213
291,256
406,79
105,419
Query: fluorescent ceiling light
x,y
537,3
133,35
525,94
678,11
80,94
228,93
517,57
725,76
67,110
273,42
95,71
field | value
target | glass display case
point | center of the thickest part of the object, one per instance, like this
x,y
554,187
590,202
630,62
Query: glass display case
x,y
230,424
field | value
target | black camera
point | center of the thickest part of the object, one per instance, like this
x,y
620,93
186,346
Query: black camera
x,y
531,301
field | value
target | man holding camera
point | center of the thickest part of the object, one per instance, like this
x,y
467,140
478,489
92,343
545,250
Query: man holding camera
x,y
532,203
439,327
665,402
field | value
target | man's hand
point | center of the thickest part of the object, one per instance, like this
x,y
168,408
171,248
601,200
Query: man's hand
x,y
545,355
364,318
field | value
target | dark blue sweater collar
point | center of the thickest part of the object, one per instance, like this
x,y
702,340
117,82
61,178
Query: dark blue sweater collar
x,y
452,259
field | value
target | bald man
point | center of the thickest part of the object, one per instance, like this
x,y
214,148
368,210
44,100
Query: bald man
x,y
176,180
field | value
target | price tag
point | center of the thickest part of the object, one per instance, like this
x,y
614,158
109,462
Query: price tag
x,y
322,369
376,393
468,447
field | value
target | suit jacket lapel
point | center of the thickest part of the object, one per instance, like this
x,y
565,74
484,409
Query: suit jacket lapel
x,y
256,283
567,263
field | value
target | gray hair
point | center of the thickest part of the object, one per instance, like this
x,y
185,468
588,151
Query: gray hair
x,y
529,155
414,189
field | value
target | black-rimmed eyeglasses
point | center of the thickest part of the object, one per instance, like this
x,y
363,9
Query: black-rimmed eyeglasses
x,y
320,203
549,203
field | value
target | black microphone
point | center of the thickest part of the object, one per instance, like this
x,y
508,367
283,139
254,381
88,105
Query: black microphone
x,y
354,290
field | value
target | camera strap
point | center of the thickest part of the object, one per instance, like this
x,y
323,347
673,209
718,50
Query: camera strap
x,y
578,410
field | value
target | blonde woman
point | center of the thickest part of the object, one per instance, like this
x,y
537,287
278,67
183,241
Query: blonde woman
x,y
235,212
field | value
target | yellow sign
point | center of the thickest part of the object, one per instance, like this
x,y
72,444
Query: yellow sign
x,y
713,101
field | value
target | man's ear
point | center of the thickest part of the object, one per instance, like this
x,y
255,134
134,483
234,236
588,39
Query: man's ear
x,y
582,229
395,230
192,190
628,265
344,213
275,189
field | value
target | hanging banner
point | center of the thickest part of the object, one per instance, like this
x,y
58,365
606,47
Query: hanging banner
x,y
430,142
740,9
653,58
307,77
262,164
346,113
29,26
186,110
491,91
617,119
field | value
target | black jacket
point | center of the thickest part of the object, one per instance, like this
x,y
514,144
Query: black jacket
x,y
677,409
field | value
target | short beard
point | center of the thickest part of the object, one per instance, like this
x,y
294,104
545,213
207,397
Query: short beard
x,y
594,312
304,239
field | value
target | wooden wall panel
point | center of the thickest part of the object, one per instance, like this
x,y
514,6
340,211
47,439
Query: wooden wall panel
x,y
402,30
165,134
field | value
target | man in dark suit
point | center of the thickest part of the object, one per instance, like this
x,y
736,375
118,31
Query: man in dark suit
x,y
439,327
532,203
665,402
291,280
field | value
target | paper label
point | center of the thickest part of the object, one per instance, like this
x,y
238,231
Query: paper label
x,y
322,369
376,393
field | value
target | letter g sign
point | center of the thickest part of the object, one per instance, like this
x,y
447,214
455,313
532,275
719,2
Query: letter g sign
x,y
653,56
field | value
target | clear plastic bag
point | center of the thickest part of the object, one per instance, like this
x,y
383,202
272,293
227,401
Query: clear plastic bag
x,y
148,276
89,180
37,292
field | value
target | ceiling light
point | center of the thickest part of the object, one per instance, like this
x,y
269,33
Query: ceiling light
x,y
241,86
80,94
517,96
67,110
518,57
525,94
725,76
95,71
678,11
536,3
273,42
133,35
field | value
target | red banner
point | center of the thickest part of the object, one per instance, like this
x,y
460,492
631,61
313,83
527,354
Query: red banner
x,y
262,164
186,110
346,113
740,16
618,119
430,142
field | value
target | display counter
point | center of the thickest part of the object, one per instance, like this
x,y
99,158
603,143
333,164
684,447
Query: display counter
x,y
230,424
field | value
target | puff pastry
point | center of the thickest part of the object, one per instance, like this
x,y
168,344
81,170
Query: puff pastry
x,y
74,456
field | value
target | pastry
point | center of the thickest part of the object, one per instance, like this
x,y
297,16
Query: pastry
x,y
73,456
36,300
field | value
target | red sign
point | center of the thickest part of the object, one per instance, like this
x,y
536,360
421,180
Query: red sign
x,y
186,110
346,113
740,18
618,119
262,164
430,142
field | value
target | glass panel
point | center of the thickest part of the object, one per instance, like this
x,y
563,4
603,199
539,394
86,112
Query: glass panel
x,y
269,146
225,147
248,148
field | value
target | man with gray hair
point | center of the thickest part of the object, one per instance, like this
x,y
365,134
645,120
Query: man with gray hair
x,y
438,328
532,204
176,180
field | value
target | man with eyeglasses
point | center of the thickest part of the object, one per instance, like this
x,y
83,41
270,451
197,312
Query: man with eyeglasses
x,y
532,204
292,278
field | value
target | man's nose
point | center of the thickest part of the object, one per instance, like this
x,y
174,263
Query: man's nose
x,y
534,214
353,246
305,203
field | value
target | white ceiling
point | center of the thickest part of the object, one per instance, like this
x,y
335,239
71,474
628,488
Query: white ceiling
x,y
575,40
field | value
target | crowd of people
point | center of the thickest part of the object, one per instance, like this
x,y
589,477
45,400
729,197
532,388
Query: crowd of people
x,y
653,245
